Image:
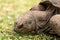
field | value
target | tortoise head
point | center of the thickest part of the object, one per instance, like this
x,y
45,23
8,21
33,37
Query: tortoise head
x,y
24,24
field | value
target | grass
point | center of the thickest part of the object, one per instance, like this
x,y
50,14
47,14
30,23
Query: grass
x,y
9,11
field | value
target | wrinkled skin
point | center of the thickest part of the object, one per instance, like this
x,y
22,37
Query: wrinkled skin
x,y
37,19
26,23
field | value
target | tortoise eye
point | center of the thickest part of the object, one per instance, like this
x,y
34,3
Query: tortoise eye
x,y
29,22
20,26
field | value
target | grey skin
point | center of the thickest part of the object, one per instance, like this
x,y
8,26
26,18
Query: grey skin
x,y
39,19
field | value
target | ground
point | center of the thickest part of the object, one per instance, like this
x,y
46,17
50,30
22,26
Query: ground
x,y
9,11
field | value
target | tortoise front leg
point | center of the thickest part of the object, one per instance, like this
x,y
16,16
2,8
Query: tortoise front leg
x,y
55,24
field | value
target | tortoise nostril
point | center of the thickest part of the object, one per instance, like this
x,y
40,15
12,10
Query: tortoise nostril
x,y
15,24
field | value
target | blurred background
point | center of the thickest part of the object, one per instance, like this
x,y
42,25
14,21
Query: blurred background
x,y
9,11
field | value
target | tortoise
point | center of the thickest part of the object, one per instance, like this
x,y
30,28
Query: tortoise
x,y
44,17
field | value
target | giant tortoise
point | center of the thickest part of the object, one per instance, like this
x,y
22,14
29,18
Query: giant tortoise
x,y
44,17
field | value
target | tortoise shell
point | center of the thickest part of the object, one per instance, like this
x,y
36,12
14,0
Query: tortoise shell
x,y
55,3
